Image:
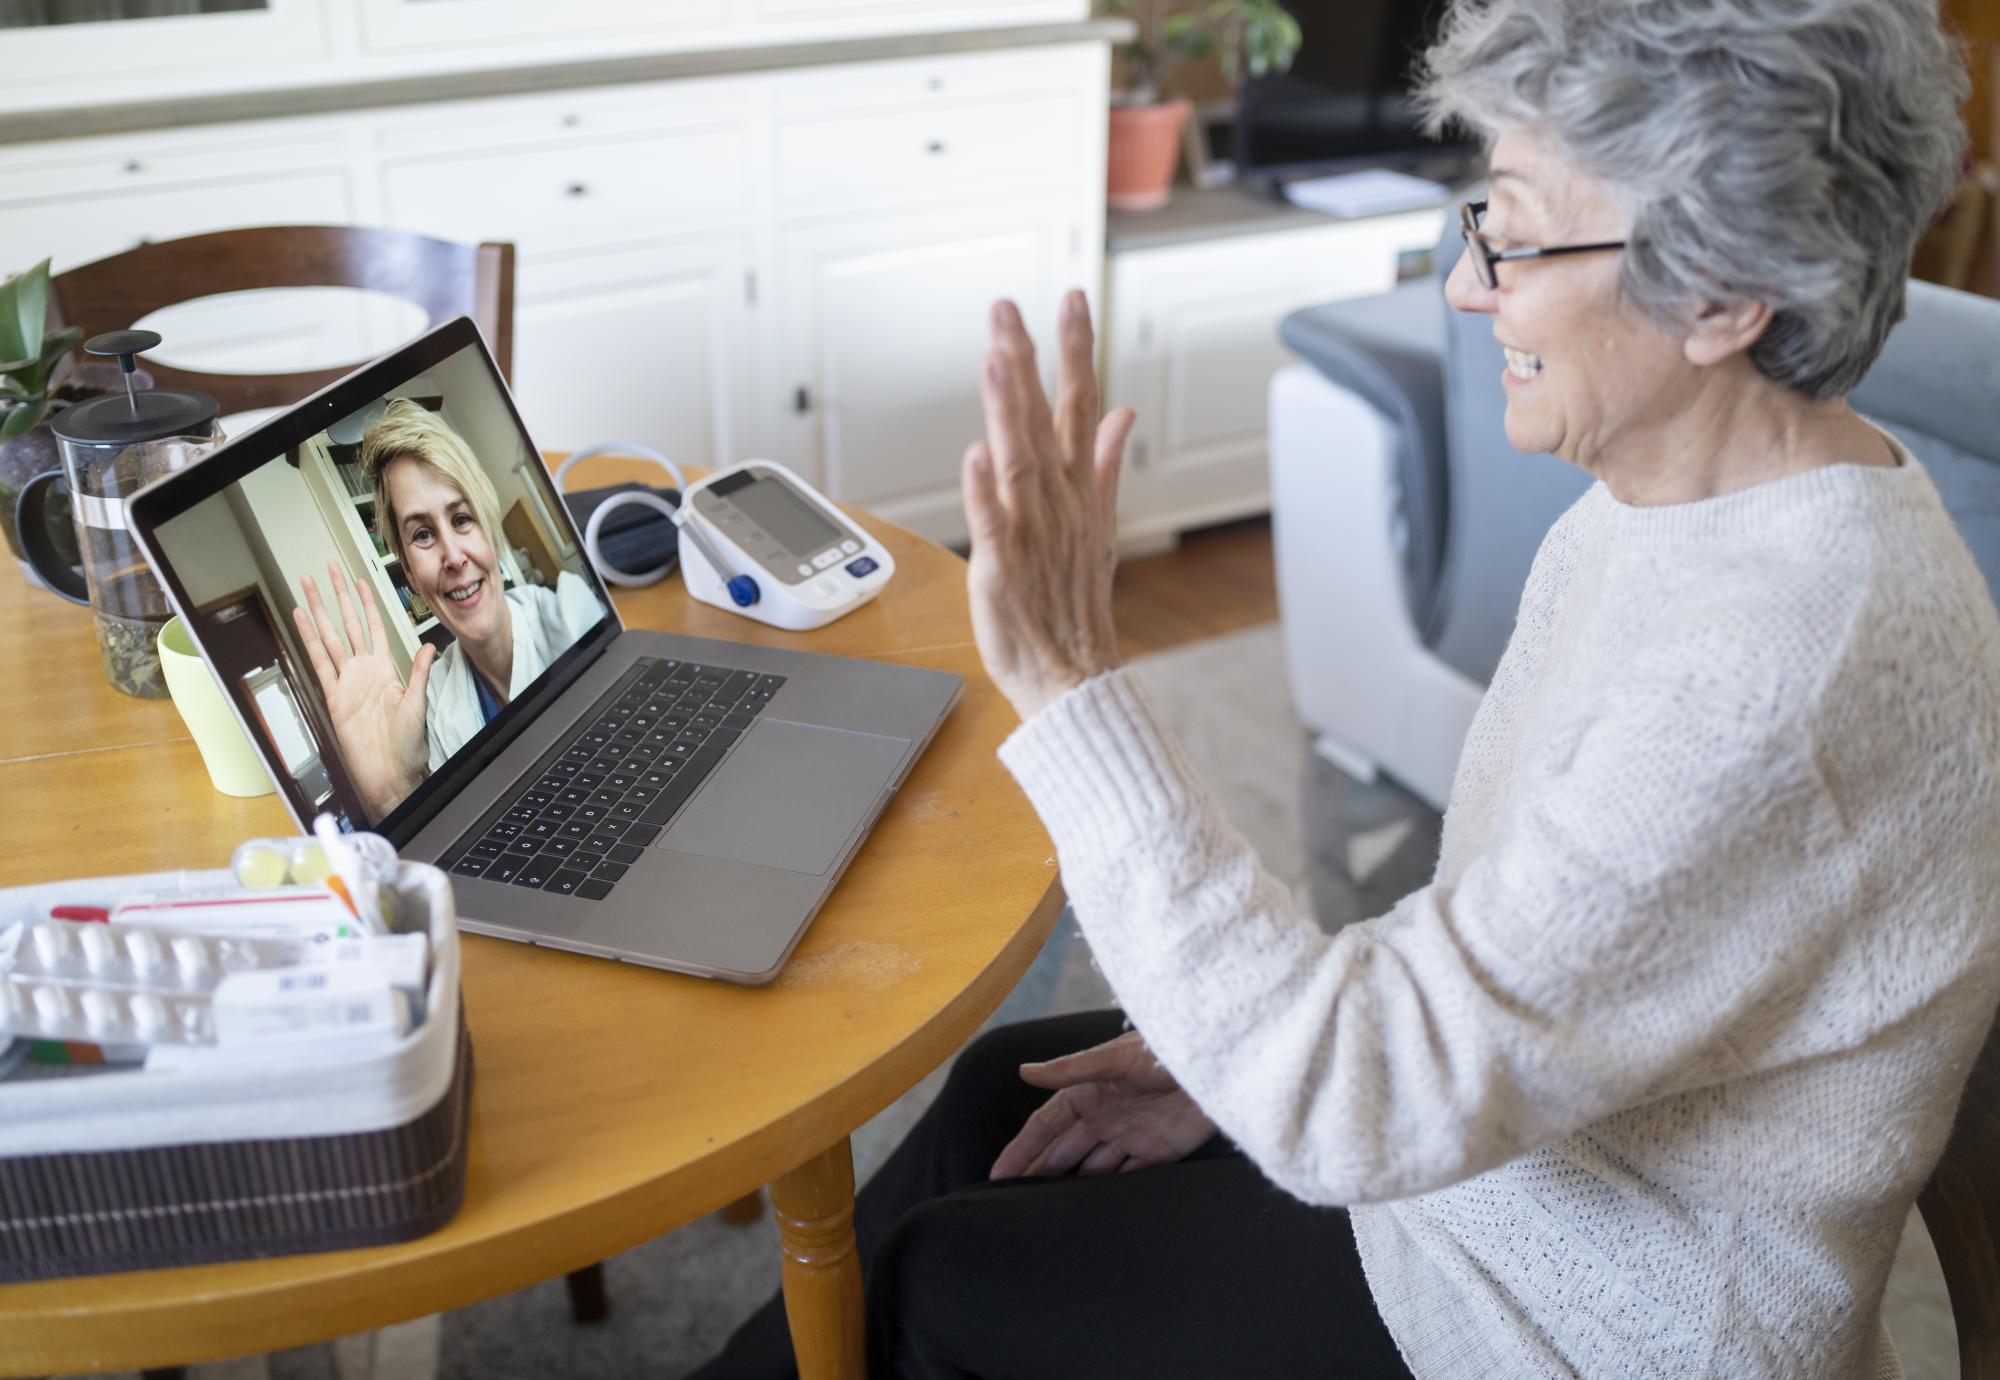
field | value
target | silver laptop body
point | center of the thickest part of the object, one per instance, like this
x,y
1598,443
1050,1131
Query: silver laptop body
x,y
678,802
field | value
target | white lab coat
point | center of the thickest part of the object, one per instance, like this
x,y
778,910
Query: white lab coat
x,y
547,622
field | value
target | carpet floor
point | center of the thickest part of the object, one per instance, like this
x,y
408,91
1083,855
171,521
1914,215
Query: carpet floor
x,y
1347,849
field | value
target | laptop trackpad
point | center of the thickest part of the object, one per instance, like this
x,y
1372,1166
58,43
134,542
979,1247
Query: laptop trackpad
x,y
790,796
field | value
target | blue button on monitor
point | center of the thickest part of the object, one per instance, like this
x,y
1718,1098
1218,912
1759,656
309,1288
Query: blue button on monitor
x,y
864,566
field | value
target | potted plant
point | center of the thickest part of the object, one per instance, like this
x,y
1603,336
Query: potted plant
x,y
1251,37
34,386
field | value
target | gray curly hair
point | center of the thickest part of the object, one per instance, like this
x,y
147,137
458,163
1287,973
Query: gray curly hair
x,y
1784,151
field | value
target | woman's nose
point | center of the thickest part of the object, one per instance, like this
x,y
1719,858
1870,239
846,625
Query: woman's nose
x,y
1464,290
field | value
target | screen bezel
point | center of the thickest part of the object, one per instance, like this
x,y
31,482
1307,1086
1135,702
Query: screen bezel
x,y
174,494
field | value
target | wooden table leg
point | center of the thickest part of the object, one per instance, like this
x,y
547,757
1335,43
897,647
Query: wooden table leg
x,y
814,1205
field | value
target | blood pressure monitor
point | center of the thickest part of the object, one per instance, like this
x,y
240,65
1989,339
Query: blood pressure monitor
x,y
774,538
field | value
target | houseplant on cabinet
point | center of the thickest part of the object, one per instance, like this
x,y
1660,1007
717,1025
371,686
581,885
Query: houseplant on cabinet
x,y
1251,37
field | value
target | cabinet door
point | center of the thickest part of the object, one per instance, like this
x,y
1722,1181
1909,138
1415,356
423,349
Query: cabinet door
x,y
885,332
1193,346
648,344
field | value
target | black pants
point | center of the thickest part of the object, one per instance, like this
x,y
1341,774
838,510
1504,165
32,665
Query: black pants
x,y
1198,1269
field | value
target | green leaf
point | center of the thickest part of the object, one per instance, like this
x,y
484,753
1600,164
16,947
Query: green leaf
x,y
19,366
24,308
54,350
20,420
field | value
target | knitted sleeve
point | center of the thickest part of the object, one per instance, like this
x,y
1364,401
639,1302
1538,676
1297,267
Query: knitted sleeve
x,y
1664,885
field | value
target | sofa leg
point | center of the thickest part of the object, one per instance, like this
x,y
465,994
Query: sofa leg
x,y
588,1302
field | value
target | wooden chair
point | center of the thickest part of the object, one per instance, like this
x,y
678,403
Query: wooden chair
x,y
443,278
1961,1208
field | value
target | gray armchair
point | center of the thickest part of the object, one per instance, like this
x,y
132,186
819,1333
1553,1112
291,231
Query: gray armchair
x,y
1405,523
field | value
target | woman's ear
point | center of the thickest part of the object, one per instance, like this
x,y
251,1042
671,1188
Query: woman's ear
x,y
1722,329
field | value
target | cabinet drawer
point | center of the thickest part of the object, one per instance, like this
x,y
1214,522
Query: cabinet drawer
x,y
78,229
920,152
573,192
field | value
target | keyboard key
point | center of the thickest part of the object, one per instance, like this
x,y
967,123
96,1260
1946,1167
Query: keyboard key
x,y
627,809
685,783
590,813
503,831
503,869
575,795
620,781
560,848
577,829
609,871
596,846
607,798
553,785
542,829
707,721
737,719
640,795
469,867
626,853
770,683
641,833
589,781
737,685
535,872
723,737
521,814
558,811
525,848
538,798
656,778
565,883
565,770
593,890
488,848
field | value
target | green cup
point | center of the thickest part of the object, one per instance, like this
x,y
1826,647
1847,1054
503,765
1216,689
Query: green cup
x,y
233,765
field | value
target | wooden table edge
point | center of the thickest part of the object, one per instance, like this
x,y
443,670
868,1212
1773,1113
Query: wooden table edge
x,y
421,1282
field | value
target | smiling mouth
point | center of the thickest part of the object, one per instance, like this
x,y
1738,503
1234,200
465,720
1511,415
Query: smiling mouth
x,y
1521,364
465,594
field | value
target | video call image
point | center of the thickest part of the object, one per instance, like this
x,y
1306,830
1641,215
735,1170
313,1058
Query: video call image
x,y
380,593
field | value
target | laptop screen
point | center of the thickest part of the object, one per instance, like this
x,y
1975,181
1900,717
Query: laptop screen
x,y
380,596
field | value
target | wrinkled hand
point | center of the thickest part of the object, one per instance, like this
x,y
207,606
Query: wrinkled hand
x,y
1041,502
380,722
1115,1109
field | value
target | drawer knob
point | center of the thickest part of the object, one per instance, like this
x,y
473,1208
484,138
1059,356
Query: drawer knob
x,y
133,165
577,189
571,121
935,146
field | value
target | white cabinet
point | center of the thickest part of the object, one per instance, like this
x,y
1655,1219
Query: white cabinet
x,y
650,345
795,262
1192,345
885,331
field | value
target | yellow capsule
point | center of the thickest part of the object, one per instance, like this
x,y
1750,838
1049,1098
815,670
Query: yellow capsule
x,y
260,865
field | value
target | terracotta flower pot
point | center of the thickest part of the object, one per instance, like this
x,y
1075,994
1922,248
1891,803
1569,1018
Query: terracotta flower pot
x,y
1145,149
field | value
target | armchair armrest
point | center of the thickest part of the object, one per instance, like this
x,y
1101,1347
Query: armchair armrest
x,y
1388,352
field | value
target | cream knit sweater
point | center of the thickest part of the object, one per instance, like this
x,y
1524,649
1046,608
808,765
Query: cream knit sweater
x,y
1645,1081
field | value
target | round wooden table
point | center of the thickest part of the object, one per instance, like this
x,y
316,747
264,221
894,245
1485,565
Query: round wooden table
x,y
611,1103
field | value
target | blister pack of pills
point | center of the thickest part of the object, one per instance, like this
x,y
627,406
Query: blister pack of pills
x,y
115,984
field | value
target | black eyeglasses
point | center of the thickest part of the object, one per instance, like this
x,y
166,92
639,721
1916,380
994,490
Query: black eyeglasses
x,y
1485,256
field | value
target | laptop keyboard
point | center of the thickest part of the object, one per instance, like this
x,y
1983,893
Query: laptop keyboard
x,y
588,810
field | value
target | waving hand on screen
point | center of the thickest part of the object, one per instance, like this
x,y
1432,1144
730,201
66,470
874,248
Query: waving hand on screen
x,y
378,720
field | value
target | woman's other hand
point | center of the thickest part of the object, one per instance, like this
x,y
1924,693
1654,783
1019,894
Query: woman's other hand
x,y
1115,1109
1041,501
379,721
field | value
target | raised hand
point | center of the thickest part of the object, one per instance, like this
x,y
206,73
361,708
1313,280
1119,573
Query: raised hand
x,y
1041,501
378,720
1115,1109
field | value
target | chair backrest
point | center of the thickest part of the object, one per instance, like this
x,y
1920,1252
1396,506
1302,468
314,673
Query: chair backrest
x,y
445,279
1961,1208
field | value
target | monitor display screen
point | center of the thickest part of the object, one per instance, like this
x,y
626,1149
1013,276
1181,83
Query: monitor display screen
x,y
1346,98
376,598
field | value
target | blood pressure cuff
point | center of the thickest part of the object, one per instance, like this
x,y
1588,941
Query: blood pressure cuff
x,y
633,539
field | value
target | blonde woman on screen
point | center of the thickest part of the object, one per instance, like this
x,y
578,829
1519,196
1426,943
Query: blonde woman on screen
x,y
437,511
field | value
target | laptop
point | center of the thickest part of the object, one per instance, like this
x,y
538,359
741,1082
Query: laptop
x,y
678,802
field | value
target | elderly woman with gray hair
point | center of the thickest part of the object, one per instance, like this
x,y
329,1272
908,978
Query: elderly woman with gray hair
x,y
1646,1080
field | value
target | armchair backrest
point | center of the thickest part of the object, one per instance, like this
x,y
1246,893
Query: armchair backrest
x,y
1936,387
